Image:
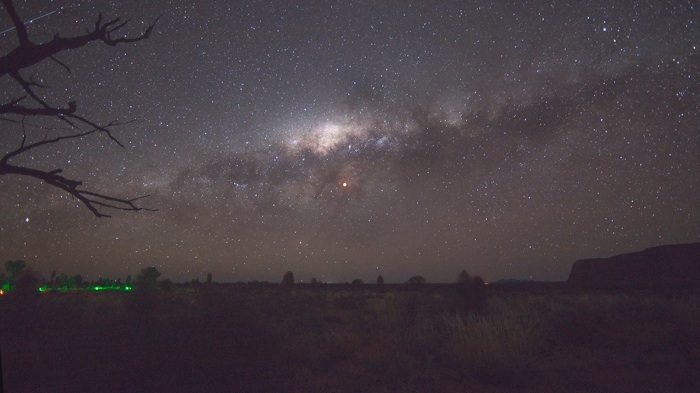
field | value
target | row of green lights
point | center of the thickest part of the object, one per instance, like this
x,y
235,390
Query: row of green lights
x,y
44,288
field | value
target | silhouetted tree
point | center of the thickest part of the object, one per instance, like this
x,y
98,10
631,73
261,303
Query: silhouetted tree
x,y
71,283
315,284
208,278
416,281
380,280
143,299
26,283
13,268
27,103
62,280
464,277
470,296
287,281
148,278
357,282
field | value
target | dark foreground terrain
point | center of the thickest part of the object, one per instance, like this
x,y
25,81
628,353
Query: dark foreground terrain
x,y
364,339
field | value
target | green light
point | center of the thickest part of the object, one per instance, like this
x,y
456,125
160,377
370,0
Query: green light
x,y
96,288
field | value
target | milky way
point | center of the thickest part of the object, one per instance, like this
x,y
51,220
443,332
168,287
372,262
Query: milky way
x,y
346,140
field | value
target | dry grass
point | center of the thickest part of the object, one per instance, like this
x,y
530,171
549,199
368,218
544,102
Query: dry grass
x,y
510,334
356,340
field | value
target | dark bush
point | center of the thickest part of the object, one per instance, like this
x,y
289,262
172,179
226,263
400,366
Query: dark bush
x,y
416,281
287,281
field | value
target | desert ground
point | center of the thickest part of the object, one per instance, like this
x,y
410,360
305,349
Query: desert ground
x,y
352,338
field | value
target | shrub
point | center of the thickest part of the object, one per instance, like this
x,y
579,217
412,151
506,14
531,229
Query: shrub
x,y
14,268
287,281
26,283
147,279
464,277
416,281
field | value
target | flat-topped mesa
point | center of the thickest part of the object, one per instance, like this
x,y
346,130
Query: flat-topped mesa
x,y
668,266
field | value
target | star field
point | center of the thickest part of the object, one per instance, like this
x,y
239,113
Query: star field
x,y
343,140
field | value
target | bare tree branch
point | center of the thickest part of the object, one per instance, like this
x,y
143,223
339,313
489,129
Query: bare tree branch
x,y
46,141
27,54
11,108
60,63
91,200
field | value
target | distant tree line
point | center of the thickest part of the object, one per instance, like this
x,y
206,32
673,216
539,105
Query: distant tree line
x,y
18,274
464,279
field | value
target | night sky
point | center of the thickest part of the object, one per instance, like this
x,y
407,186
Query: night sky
x,y
343,140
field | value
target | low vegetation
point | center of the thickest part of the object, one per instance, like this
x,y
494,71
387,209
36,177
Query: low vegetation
x,y
348,338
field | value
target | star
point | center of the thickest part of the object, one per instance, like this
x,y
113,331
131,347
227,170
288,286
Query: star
x,y
399,141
